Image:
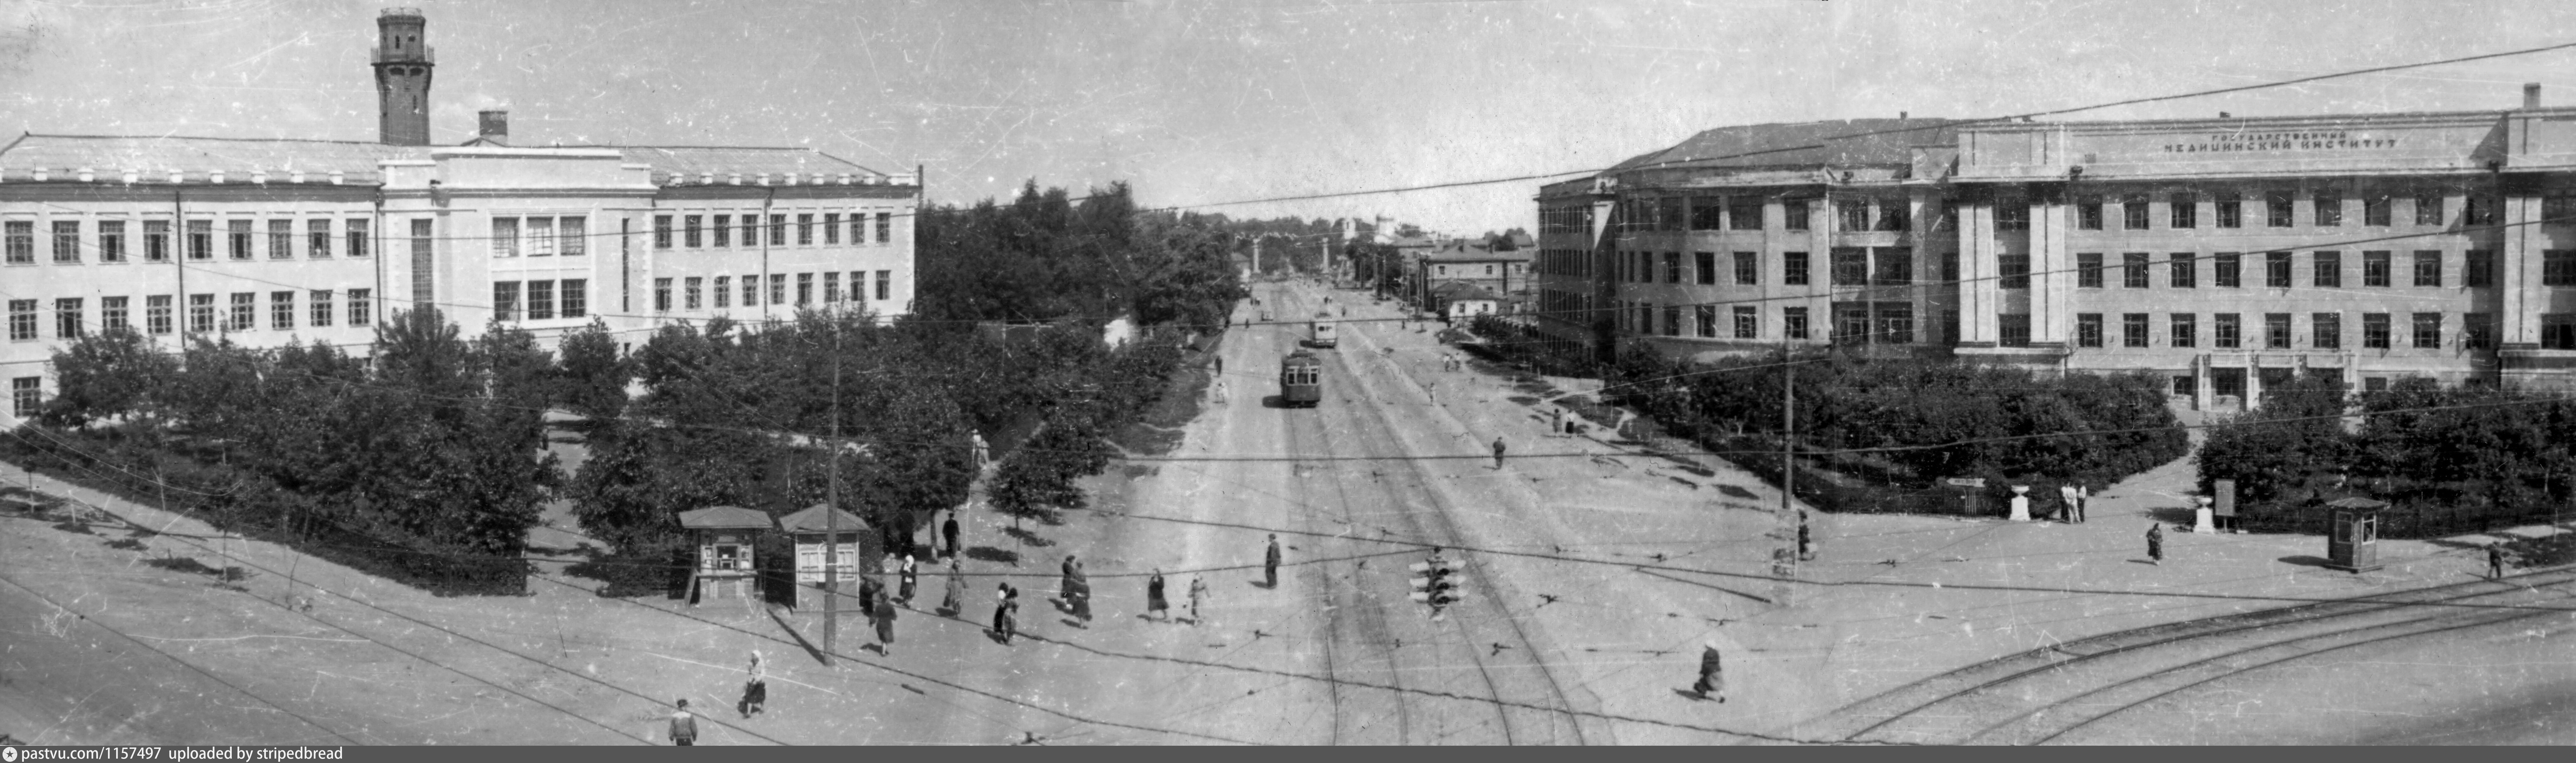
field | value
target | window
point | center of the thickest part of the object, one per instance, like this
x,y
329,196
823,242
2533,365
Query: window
x,y
1851,266
22,320
1896,322
201,239
2558,331
2428,331
1672,320
2088,329
540,236
68,315
2183,270
505,237
1793,214
831,227
27,395
2326,331
2428,209
317,239
2329,209
1853,214
1948,222
1851,323
884,279
423,269
2477,331
2015,269
2276,269
362,306
1895,267
2186,386
320,310
2558,267
723,230
2088,213
661,231
2186,210
156,314
2428,267
505,300
281,239
804,230
1793,322
804,289
2374,268
661,295
2276,209
113,315
2012,214
1748,322
2276,331
2480,270
2227,331
67,242
281,310
1744,213
2328,270
2183,330
541,300
1707,270
2230,208
2374,209
201,313
1668,213
2133,270
832,287
751,291
1672,267
2374,331
244,315
2482,210
750,230
2133,329
156,240
572,236
1950,326
1706,212
694,295
692,232
777,288
239,238
2557,206
2133,212
858,228
2013,330
885,227
575,298
111,241
777,230
1793,268
2224,270
1950,267
1706,325
723,292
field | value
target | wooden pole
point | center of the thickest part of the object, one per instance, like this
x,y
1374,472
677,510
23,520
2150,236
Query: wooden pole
x,y
832,507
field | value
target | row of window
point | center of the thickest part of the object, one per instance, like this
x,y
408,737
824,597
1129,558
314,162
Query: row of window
x,y
2134,211
2325,331
72,242
1742,321
695,293
2326,269
241,313
2328,209
540,236
540,300
695,231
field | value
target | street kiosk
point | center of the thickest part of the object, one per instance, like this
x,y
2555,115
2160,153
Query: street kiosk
x,y
807,527
2352,534
725,536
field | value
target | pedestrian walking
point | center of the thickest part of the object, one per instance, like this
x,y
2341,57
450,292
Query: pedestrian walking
x,y
1806,542
1198,598
1081,593
869,590
2495,560
1220,365
910,578
2083,501
755,687
1064,584
1712,673
2156,544
1155,606
2066,496
948,530
885,627
1556,421
1270,563
1222,398
956,599
1498,453
1005,613
684,726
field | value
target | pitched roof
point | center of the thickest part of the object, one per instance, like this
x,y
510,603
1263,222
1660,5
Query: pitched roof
x,y
810,520
154,157
724,518
1831,142
695,161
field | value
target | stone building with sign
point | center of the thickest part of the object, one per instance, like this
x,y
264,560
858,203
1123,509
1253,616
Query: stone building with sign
x,y
267,241
2219,253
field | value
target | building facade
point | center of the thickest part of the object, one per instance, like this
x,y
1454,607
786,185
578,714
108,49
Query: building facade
x,y
265,242
2220,253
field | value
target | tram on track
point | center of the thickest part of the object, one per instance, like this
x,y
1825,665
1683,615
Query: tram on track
x,y
1301,380
1320,332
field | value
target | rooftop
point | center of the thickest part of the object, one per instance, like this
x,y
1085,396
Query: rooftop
x,y
1833,142
155,159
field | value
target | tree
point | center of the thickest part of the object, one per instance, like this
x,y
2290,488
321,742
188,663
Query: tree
x,y
595,375
114,374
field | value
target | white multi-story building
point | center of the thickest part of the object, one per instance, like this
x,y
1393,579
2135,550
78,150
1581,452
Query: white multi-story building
x,y
267,241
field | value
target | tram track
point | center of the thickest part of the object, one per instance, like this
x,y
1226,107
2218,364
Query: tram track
x,y
2040,695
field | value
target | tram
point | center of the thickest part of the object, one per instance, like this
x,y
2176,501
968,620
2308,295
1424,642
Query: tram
x,y
1320,333
1301,380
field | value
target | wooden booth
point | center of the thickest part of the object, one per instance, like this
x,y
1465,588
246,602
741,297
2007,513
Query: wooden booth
x,y
725,536
2352,534
808,528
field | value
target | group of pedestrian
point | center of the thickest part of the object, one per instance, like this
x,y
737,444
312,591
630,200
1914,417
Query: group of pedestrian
x,y
2072,501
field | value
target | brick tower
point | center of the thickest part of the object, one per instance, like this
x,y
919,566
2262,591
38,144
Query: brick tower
x,y
402,62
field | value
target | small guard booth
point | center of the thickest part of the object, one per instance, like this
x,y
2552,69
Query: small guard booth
x,y
725,536
2352,534
809,529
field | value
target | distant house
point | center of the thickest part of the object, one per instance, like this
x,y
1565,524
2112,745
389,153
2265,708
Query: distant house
x,y
1456,300
1498,273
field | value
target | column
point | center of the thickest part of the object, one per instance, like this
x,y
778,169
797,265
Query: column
x,y
2519,259
2052,282
1980,296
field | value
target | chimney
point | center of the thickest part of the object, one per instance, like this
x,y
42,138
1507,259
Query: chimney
x,y
2531,95
495,126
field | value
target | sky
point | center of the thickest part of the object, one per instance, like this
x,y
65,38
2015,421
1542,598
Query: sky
x,y
1203,103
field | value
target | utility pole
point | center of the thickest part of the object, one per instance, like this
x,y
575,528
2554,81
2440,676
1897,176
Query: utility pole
x,y
1786,565
1256,256
832,506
